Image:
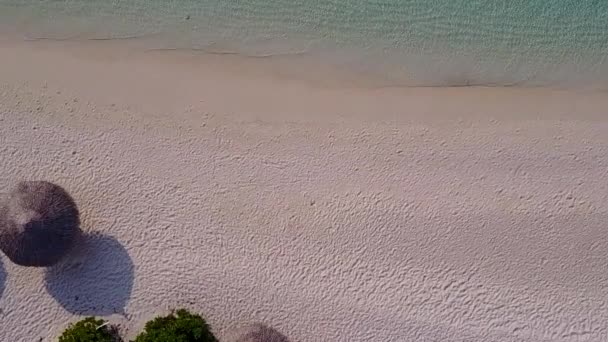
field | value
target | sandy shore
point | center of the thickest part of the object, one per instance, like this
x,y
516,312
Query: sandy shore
x,y
331,210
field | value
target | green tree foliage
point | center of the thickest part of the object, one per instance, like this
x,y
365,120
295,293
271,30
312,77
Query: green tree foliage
x,y
180,326
89,330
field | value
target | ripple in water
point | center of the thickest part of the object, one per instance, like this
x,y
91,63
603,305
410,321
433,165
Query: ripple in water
x,y
415,42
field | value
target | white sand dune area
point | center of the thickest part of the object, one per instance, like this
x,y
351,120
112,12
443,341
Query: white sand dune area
x,y
332,211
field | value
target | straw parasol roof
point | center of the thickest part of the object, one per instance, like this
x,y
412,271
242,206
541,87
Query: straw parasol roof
x,y
39,223
256,332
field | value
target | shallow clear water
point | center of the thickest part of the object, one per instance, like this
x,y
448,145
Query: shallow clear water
x,y
410,42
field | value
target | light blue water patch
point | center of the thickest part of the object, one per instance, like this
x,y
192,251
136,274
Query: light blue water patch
x,y
433,42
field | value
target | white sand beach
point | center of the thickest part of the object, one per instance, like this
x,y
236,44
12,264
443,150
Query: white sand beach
x,y
328,209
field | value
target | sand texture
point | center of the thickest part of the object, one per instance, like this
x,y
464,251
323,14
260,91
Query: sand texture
x,y
332,213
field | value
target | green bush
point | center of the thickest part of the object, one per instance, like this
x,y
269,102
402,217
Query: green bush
x,y
181,326
89,330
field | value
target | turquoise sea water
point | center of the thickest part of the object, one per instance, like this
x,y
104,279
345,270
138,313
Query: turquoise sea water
x,y
409,42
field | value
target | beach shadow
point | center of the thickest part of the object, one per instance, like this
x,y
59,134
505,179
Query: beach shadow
x,y
2,278
96,279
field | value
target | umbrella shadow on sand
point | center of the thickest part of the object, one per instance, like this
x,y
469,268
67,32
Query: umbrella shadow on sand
x,y
96,279
2,278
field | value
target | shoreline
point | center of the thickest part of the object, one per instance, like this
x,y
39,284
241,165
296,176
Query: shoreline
x,y
367,67
211,78
329,210
468,44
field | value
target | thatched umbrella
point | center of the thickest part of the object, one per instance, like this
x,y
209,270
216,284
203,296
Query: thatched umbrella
x,y
39,223
256,332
